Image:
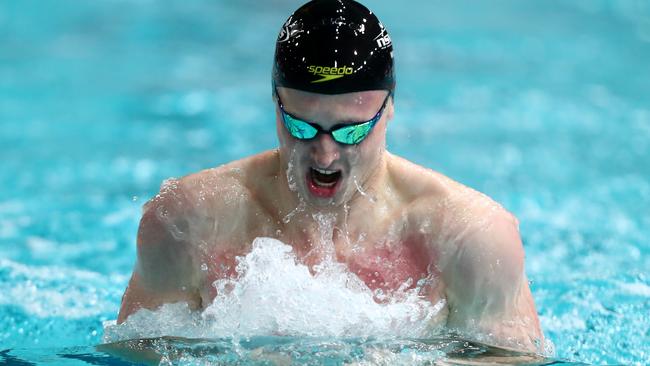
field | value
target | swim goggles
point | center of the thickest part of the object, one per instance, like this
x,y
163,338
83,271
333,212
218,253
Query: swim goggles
x,y
347,134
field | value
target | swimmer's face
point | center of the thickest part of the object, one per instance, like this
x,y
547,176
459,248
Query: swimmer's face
x,y
322,171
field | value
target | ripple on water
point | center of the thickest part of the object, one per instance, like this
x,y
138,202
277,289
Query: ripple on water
x,y
40,302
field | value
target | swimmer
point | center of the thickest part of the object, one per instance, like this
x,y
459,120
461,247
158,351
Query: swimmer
x,y
332,191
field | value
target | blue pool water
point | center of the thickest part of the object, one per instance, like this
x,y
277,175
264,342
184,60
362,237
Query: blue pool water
x,y
543,105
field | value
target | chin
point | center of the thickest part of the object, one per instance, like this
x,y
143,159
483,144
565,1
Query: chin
x,y
320,202
323,201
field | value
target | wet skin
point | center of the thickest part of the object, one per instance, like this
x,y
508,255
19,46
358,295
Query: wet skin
x,y
393,223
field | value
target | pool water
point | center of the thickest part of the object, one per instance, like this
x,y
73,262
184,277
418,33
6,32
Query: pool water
x,y
543,105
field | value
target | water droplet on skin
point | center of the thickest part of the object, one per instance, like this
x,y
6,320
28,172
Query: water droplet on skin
x,y
325,223
204,267
300,208
293,186
371,198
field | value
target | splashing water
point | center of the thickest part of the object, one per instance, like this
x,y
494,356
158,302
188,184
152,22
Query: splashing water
x,y
370,198
293,187
273,294
300,208
325,244
291,180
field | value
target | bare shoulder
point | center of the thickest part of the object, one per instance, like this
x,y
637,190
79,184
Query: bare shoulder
x,y
480,255
426,187
210,194
189,218
414,182
446,210
226,184
193,214
466,226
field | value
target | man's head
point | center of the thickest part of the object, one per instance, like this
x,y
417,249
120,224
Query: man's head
x,y
333,81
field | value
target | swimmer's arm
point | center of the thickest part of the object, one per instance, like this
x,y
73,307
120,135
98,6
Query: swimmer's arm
x,y
487,288
165,270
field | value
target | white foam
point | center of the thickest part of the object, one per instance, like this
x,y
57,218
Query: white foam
x,y
273,294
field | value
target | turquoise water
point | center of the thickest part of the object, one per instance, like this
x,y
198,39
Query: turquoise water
x,y
543,105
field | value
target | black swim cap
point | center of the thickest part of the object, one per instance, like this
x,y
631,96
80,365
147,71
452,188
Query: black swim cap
x,y
333,47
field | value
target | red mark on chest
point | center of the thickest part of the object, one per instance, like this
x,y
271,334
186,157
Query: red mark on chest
x,y
387,268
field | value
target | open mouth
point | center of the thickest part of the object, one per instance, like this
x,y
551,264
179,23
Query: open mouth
x,y
323,182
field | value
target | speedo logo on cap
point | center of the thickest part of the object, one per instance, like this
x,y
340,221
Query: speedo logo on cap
x,y
329,73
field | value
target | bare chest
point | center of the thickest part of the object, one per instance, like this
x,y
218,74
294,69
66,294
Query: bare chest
x,y
387,265
390,266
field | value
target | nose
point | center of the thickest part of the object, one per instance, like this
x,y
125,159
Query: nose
x,y
324,150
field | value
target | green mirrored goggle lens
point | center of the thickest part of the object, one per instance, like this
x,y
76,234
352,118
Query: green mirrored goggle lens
x,y
298,128
347,134
353,134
